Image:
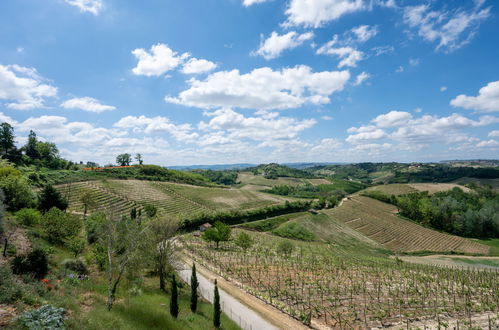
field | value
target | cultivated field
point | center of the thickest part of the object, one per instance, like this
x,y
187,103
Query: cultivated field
x,y
338,287
494,183
379,222
401,189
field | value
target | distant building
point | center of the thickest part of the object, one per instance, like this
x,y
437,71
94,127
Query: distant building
x,y
205,226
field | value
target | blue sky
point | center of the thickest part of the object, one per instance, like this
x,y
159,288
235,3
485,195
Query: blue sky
x,y
229,81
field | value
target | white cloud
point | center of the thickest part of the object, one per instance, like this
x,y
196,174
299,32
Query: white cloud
x,y
195,66
494,133
315,13
361,78
486,101
452,29
87,104
327,118
182,133
90,6
23,87
413,61
157,61
488,144
364,32
392,118
380,50
348,56
400,69
247,3
275,44
262,88
443,88
366,136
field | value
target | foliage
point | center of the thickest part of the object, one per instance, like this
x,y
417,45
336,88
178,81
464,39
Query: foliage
x,y
10,290
45,317
174,298
34,263
267,224
216,307
150,210
93,225
285,248
50,198
221,177
75,265
8,148
124,159
29,217
139,159
294,231
243,240
18,192
194,289
233,217
273,171
220,232
59,226
76,245
338,189
89,201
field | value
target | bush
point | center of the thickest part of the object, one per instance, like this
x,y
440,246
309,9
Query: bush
x,y
75,245
76,265
50,198
93,225
18,193
28,217
150,210
295,231
59,226
45,317
285,248
10,291
34,263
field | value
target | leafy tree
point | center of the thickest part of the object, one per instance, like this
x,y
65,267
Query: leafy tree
x,y
49,154
89,201
138,157
51,197
124,159
244,241
160,234
285,248
28,217
150,210
34,263
31,147
216,307
93,226
220,232
76,245
59,226
8,148
174,298
194,289
18,192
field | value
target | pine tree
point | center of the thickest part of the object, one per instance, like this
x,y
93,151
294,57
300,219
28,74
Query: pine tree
x,y
194,289
216,308
174,298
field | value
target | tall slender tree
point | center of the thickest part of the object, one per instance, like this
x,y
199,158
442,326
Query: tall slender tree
x,y
174,298
194,289
138,157
216,307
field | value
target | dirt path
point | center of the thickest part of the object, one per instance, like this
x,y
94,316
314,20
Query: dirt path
x,y
249,312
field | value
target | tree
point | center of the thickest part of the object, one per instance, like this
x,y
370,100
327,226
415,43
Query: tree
x,y
216,307
18,192
220,232
160,233
244,241
150,210
194,289
51,197
124,159
49,154
285,248
8,148
138,157
60,226
89,201
174,298
31,147
76,245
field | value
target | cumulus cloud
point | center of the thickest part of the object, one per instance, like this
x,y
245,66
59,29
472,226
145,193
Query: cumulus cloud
x,y
494,133
87,6
275,44
363,76
488,144
348,56
262,88
247,3
23,88
157,61
486,101
86,103
315,13
452,29
364,32
195,66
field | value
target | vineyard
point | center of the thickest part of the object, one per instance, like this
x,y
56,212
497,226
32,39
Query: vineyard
x,y
379,222
328,285
172,199
401,189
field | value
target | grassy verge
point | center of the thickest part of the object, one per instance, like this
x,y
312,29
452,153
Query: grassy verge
x,y
493,243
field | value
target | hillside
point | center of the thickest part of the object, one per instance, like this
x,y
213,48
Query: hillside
x,y
379,222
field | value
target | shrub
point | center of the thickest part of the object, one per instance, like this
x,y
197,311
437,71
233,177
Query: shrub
x,y
150,210
295,231
50,198
34,263
18,193
29,217
45,317
93,224
10,291
75,245
59,226
244,241
285,248
76,265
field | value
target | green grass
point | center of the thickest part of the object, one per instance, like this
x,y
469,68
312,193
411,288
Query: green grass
x,y
486,262
150,311
295,231
271,223
493,243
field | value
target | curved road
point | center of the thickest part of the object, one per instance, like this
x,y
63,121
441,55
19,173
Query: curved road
x,y
246,318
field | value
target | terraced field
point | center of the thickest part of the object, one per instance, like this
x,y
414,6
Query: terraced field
x,y
401,189
170,198
379,222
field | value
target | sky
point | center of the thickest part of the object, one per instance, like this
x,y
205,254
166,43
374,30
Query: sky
x,y
253,81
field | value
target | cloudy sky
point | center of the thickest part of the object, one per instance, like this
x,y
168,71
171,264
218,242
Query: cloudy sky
x,y
229,81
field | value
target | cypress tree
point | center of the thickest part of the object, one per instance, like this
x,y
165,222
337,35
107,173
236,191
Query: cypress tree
x,y
194,289
216,308
174,298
